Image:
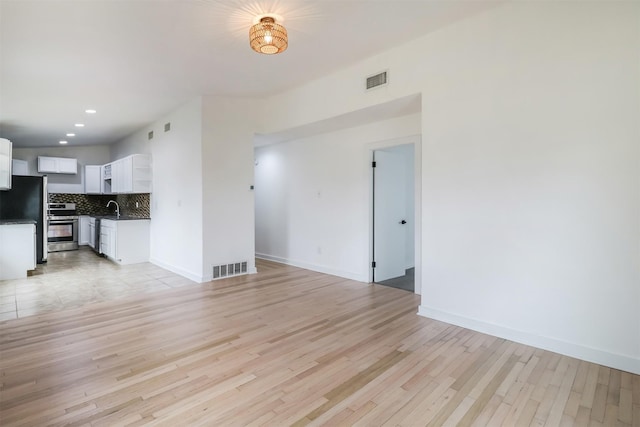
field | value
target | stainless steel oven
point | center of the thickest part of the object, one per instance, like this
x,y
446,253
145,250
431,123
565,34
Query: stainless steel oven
x,y
62,229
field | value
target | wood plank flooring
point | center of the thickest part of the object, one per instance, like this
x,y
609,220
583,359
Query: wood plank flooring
x,y
289,347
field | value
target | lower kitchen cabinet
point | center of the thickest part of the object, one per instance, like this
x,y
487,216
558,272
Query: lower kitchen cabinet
x,y
125,241
91,241
17,250
83,230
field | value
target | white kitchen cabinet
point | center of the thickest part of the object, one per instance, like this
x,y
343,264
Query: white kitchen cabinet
x,y
125,241
131,174
141,173
17,250
118,178
108,237
83,230
57,165
5,164
107,187
67,166
93,179
47,164
20,167
125,175
91,239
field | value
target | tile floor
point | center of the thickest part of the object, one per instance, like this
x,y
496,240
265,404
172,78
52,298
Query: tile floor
x,y
406,282
75,278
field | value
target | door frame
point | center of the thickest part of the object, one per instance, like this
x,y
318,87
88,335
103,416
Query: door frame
x,y
416,140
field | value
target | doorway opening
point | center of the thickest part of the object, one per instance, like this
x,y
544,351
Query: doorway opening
x,y
393,217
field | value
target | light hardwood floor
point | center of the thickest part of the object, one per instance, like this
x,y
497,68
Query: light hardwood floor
x,y
289,347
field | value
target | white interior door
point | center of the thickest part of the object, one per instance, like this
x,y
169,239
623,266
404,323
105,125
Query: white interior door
x,y
389,212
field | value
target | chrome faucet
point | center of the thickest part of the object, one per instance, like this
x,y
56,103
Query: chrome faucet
x,y
117,208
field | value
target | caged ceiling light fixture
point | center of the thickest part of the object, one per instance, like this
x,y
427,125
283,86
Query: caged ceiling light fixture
x,y
268,37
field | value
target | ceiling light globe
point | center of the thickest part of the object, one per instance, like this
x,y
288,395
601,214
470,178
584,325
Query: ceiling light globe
x,y
268,37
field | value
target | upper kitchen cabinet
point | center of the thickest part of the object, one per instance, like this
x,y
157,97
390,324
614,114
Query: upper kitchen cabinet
x,y
122,176
105,171
131,174
93,179
20,167
57,165
5,164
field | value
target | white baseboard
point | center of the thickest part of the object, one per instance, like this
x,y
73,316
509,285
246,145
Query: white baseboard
x,y
209,278
314,267
189,275
612,360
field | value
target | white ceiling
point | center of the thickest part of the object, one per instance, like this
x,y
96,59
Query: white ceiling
x,y
136,60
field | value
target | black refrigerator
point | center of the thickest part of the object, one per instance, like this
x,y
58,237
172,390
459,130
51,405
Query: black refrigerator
x,y
27,200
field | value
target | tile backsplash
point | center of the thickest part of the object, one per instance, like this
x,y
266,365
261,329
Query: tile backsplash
x,y
96,204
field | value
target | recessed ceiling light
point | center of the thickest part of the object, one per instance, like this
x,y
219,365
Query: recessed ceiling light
x,y
71,134
90,111
63,142
79,125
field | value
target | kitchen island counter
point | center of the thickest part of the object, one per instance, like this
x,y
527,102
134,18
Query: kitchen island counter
x,y
17,249
16,221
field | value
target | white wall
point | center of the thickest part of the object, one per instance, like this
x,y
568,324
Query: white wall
x,y
202,207
64,183
531,184
227,177
313,198
176,200
140,144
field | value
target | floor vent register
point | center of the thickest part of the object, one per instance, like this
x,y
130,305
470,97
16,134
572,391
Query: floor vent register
x,y
226,270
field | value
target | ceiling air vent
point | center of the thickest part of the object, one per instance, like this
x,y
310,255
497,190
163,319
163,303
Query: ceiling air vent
x,y
150,135
377,80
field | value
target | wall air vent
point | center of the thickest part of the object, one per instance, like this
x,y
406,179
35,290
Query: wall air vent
x,y
227,270
377,80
